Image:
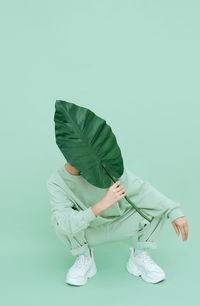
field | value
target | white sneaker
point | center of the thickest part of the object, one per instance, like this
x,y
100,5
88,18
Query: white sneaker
x,y
83,268
142,265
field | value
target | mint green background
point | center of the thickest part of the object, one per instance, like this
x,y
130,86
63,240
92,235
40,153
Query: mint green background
x,y
134,63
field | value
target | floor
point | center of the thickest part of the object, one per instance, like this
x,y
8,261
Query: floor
x,y
35,275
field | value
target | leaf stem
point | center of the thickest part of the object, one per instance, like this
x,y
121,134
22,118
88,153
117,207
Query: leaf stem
x,y
126,197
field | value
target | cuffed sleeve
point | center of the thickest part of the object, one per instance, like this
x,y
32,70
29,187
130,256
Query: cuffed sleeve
x,y
175,213
69,220
90,214
150,200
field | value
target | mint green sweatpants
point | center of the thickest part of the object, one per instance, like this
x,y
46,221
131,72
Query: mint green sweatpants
x,y
130,224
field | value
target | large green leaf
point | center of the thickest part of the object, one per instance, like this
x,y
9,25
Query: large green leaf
x,y
88,143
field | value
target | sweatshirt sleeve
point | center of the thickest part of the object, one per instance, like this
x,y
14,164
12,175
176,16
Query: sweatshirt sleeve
x,y
69,220
152,201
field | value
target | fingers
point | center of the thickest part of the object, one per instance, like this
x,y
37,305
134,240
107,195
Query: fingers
x,y
183,228
120,191
122,195
120,188
184,232
117,187
176,228
182,225
187,229
117,183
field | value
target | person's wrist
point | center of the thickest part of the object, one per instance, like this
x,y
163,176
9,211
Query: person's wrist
x,y
99,207
103,204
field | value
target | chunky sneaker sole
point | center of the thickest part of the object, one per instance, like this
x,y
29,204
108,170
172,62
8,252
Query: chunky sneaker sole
x,y
134,269
82,280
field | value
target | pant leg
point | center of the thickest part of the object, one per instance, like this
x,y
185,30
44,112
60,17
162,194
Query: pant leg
x,y
130,224
148,235
121,228
78,243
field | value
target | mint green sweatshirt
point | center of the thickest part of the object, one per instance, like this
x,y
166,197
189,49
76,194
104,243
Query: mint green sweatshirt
x,y
71,198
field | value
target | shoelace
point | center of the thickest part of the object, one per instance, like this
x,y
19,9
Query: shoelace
x,y
80,261
147,259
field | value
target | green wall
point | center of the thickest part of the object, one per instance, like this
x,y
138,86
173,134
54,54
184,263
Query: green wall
x,y
134,63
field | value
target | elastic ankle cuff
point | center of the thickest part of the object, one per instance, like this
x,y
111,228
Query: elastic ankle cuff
x,y
146,244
